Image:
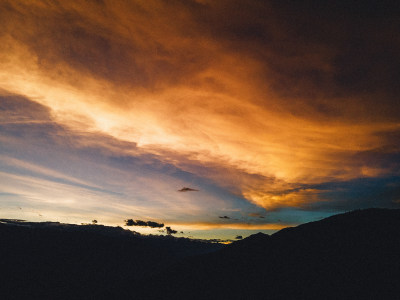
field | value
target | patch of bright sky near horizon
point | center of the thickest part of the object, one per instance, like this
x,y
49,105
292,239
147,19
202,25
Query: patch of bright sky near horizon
x,y
278,113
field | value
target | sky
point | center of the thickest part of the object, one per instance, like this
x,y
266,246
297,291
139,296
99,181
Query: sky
x,y
271,113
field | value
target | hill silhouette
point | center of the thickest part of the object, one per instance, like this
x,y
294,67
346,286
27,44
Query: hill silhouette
x,y
355,255
49,260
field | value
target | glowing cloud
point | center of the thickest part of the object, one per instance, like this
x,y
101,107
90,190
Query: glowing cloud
x,y
255,108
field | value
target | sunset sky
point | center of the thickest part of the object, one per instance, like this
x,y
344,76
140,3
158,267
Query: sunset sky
x,y
275,112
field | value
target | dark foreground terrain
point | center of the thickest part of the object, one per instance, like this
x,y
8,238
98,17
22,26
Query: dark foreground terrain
x,y
63,261
349,256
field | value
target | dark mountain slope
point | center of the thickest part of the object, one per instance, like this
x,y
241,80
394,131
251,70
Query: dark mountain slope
x,y
62,261
349,256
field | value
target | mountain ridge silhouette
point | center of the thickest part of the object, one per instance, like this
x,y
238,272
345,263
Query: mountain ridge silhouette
x,y
355,255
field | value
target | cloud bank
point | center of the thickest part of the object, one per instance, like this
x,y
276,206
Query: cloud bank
x,y
266,107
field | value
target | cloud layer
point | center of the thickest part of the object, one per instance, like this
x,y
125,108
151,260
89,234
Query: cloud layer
x,y
262,106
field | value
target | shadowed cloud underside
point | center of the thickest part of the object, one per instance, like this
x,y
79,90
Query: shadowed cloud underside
x,y
273,112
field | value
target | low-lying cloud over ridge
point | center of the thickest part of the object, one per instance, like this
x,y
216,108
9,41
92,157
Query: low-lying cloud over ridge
x,y
151,224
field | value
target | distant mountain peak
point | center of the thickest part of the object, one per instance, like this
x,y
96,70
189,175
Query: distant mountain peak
x,y
258,235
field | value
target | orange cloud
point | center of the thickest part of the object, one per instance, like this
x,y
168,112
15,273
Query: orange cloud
x,y
298,198
200,91
210,226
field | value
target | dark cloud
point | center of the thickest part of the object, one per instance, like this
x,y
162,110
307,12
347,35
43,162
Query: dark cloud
x,y
330,58
186,189
224,217
324,57
121,51
130,222
16,108
170,231
305,49
357,194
